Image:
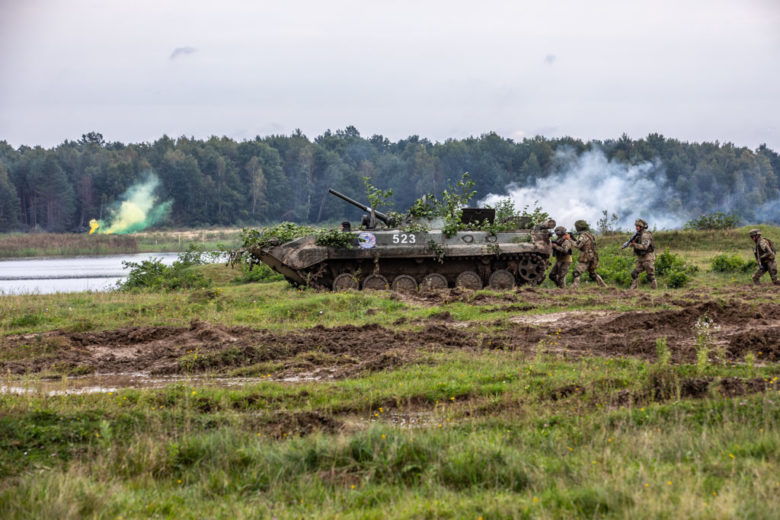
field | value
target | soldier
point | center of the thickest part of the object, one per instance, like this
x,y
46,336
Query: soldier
x,y
644,249
562,251
765,257
589,257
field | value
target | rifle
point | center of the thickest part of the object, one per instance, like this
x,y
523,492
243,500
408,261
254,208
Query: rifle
x,y
628,242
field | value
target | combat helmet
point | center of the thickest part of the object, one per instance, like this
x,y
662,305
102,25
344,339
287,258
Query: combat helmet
x,y
755,232
581,226
560,231
640,222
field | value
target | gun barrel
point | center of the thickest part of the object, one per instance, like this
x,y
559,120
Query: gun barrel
x,y
381,216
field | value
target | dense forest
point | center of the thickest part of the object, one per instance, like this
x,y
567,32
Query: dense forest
x,y
219,181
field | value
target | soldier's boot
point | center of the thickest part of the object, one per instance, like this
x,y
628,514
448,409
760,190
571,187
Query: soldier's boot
x,y
600,281
634,283
756,280
576,283
654,284
776,281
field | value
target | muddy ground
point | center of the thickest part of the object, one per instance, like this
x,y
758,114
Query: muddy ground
x,y
743,326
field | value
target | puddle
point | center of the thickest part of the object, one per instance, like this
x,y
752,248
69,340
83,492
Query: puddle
x,y
104,383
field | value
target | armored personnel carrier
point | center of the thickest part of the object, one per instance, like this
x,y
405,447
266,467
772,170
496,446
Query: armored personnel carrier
x,y
383,256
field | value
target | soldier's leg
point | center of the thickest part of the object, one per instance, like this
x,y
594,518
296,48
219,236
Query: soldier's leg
x,y
772,268
595,276
554,272
562,275
577,273
650,270
758,274
635,276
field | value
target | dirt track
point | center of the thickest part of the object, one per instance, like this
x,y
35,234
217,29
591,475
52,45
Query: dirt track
x,y
744,326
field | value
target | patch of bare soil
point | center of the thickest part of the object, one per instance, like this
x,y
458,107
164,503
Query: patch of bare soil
x,y
744,326
333,353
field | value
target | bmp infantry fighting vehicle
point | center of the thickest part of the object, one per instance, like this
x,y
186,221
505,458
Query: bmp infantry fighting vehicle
x,y
386,257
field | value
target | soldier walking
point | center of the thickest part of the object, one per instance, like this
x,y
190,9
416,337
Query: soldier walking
x,y
644,249
589,257
765,257
562,251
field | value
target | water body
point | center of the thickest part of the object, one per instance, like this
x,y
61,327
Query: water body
x,y
69,274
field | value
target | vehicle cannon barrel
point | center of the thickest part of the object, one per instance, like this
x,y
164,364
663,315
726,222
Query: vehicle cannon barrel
x,y
381,216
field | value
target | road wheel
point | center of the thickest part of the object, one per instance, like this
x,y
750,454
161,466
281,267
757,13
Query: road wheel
x,y
469,280
404,283
376,282
433,282
501,280
344,282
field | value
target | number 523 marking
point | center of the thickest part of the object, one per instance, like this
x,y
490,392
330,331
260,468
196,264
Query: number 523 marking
x,y
404,238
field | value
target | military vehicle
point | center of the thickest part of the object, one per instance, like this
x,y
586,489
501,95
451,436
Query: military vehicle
x,y
384,256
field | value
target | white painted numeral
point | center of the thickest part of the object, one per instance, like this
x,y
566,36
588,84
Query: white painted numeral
x,y
404,238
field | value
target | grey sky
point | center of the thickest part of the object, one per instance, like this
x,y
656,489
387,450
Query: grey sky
x,y
135,70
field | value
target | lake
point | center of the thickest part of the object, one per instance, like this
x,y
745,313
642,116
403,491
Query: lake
x,y
69,274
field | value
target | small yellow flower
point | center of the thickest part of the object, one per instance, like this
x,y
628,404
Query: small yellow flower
x,y
376,414
647,485
609,440
259,434
383,436
452,398
669,482
731,455
571,449
194,392
381,409
714,493
111,393
536,499
352,486
179,481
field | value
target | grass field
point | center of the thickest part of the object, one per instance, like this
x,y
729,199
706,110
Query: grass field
x,y
534,403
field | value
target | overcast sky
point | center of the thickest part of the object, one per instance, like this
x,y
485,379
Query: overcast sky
x,y
698,70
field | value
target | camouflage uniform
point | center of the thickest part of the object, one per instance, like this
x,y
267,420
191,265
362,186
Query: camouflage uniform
x,y
589,257
765,258
562,251
644,249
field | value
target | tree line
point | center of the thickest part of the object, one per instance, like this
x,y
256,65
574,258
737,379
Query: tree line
x,y
219,181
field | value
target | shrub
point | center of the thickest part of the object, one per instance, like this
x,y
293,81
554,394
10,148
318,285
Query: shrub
x,y
718,220
674,268
726,263
677,279
153,274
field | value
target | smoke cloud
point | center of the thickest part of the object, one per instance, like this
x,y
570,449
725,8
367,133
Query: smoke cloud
x,y
137,210
582,186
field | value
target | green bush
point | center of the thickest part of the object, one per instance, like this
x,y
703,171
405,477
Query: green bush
x,y
674,268
726,263
153,274
677,279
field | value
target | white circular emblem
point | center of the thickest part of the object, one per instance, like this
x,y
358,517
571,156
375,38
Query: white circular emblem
x,y
366,240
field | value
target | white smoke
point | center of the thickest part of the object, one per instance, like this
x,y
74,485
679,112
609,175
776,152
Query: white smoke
x,y
582,186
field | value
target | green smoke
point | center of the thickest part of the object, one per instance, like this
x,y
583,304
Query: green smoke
x,y
138,208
